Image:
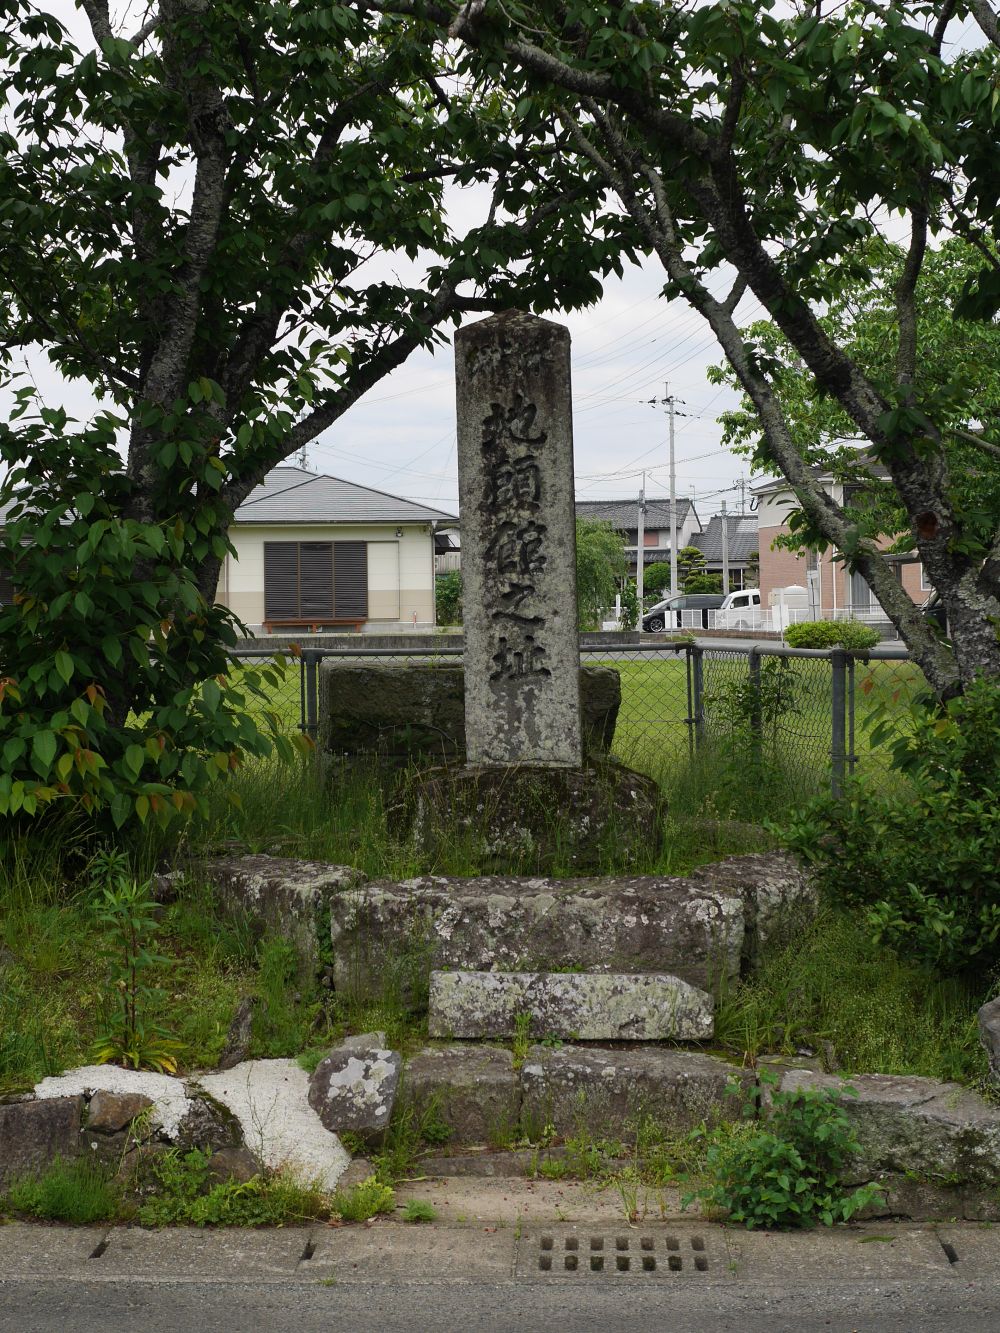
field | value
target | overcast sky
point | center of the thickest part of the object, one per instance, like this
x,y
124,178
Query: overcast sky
x,y
401,437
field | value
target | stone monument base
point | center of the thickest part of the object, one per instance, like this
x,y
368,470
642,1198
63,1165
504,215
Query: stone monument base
x,y
601,816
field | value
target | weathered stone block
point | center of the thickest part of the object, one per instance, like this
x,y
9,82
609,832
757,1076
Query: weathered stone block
x,y
939,1131
290,898
34,1133
612,1091
548,816
354,1089
415,712
989,1035
642,923
471,1089
110,1112
576,1005
779,897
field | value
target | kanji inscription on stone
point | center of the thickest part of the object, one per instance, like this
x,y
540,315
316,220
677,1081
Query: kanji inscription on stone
x,y
515,478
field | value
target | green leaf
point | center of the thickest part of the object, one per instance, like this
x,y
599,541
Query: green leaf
x,y
133,760
64,665
43,750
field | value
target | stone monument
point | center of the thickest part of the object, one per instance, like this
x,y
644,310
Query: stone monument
x,y
526,788
515,480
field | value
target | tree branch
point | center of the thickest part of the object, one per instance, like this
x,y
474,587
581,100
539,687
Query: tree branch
x,y
906,303
987,20
825,515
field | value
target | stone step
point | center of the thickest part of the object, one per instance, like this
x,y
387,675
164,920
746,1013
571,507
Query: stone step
x,y
703,929
579,1006
477,1094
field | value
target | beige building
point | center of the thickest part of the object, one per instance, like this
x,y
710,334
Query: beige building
x,y
315,551
835,591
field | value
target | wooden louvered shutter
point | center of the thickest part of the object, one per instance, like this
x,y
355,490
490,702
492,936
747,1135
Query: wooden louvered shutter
x,y
281,580
6,587
315,580
350,580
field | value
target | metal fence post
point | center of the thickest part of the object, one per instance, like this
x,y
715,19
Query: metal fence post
x,y
838,708
696,704
310,686
756,720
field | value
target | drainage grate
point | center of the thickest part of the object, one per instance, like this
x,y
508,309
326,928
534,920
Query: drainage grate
x,y
638,1254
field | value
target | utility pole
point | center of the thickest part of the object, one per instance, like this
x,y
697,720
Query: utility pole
x,y
725,549
673,495
640,547
668,401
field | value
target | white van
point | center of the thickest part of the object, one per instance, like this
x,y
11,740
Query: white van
x,y
740,610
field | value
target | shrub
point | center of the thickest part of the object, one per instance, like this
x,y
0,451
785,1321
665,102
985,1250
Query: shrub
x,y
448,598
655,579
923,862
852,635
786,1173
118,698
629,615
703,583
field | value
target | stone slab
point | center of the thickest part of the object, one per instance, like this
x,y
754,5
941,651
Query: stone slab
x,y
938,1131
505,1203
778,895
391,1251
28,1250
33,1133
637,923
516,494
189,1252
610,1092
866,1253
287,897
414,712
582,1006
471,1089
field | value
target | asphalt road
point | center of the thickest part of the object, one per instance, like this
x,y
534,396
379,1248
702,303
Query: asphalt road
x,y
33,1306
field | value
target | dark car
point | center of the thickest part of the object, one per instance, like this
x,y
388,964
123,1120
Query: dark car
x,y
669,614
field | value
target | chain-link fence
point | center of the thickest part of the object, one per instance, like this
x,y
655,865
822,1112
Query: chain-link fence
x,y
808,712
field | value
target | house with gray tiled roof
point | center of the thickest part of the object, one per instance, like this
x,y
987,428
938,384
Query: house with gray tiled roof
x,y
743,544
623,515
313,550
317,550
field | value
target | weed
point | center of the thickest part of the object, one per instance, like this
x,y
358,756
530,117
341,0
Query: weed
x,y
365,1200
408,1132
80,1191
521,1043
125,913
834,988
289,1011
784,1171
186,1196
419,1210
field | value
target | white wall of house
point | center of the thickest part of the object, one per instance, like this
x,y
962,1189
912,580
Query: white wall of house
x,y
400,569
